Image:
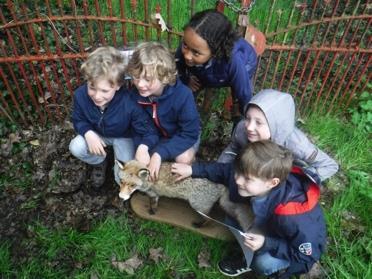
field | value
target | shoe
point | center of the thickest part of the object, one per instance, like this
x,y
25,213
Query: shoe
x,y
233,267
98,175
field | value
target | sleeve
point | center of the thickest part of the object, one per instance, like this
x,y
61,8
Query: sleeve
x,y
79,119
233,148
216,172
187,134
181,66
316,160
144,131
241,76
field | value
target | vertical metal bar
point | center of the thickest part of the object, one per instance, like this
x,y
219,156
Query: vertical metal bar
x,y
147,19
90,29
266,29
77,27
61,12
158,32
113,32
123,24
100,27
280,51
133,5
169,22
18,29
192,7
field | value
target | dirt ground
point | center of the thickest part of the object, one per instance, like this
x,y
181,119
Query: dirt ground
x,y
46,184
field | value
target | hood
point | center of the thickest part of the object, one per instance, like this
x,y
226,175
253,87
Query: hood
x,y
279,109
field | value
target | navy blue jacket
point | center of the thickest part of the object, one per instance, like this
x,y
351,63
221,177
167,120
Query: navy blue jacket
x,y
289,216
236,73
175,115
122,118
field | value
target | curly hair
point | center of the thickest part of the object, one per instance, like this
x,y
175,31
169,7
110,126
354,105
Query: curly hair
x,y
216,29
155,60
104,62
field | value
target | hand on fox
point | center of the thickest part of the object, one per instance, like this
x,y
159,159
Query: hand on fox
x,y
181,170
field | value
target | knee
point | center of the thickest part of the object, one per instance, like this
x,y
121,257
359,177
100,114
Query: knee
x,y
78,146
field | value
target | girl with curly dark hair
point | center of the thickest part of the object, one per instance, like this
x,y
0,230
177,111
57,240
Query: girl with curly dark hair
x,y
212,55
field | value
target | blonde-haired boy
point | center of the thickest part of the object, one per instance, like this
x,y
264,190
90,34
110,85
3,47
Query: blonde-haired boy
x,y
105,114
168,101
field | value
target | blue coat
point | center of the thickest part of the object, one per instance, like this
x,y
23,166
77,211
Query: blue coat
x,y
289,216
176,117
122,118
236,73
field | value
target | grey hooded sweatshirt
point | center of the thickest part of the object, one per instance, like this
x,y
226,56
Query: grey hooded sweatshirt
x,y
279,109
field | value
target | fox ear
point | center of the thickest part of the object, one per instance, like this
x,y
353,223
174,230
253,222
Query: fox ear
x,y
119,164
143,173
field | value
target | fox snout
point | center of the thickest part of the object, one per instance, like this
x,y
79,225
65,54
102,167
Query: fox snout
x,y
126,192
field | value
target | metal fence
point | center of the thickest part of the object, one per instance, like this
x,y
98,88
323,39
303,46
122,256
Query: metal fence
x,y
316,50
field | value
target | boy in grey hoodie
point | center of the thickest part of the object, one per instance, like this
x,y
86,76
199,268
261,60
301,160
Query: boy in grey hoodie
x,y
271,115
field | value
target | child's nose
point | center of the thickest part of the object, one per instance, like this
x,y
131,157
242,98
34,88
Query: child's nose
x,y
188,55
249,125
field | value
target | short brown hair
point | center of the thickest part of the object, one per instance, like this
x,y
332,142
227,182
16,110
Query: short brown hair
x,y
264,160
106,63
155,60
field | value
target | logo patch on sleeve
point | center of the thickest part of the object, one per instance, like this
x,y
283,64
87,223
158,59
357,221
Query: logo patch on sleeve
x,y
305,248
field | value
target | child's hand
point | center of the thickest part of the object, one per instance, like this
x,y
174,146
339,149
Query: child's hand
x,y
194,84
182,170
154,166
142,154
96,145
254,241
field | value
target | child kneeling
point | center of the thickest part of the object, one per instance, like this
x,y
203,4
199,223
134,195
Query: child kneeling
x,y
288,234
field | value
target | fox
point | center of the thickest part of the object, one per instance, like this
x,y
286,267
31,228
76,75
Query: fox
x,y
200,193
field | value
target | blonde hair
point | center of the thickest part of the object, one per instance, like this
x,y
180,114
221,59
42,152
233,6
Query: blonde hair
x,y
104,63
154,61
264,160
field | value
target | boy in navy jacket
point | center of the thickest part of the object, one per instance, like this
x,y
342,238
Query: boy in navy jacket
x,y
288,233
104,114
168,101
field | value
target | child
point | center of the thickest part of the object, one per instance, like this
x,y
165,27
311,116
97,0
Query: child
x,y
271,115
213,55
105,114
169,102
288,234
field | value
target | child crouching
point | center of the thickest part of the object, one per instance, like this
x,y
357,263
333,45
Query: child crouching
x,y
289,233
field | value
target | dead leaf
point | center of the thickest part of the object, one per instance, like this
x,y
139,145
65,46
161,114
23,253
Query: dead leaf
x,y
156,254
44,98
14,137
35,142
203,258
129,266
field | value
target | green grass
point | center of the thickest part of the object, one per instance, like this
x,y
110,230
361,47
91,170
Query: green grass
x,y
67,253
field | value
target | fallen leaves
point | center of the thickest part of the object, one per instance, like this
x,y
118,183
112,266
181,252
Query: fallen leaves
x,y
129,266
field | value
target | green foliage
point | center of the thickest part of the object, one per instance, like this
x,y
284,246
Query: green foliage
x,y
5,261
361,115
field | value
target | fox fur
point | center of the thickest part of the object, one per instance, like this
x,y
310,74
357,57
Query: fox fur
x,y
200,193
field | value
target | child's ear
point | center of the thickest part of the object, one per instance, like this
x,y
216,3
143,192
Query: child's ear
x,y
273,182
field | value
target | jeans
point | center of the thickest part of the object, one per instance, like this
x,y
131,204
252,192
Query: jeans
x,y
265,264
123,151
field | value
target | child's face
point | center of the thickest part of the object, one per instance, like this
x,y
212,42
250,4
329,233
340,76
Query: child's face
x,y
256,125
195,49
101,92
253,186
147,86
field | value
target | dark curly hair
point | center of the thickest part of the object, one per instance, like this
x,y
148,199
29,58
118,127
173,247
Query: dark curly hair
x,y
216,29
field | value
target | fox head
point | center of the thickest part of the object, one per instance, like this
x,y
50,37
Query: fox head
x,y
133,176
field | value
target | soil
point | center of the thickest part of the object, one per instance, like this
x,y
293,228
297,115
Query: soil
x,y
45,184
